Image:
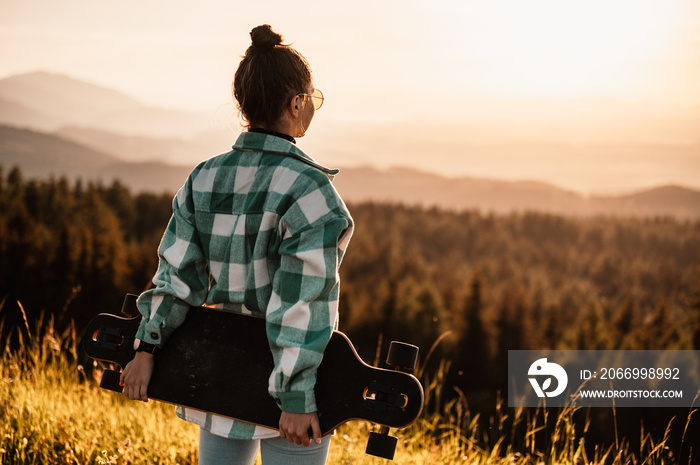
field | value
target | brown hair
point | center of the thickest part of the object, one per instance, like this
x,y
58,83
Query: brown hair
x,y
269,75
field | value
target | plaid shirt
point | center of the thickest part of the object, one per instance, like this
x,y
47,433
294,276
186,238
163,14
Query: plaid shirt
x,y
257,230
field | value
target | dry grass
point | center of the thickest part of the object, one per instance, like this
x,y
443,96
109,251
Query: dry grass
x,y
53,412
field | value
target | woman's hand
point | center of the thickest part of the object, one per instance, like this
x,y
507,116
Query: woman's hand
x,y
295,427
137,375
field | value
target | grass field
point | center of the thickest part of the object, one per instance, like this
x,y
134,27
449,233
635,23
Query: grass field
x,y
52,412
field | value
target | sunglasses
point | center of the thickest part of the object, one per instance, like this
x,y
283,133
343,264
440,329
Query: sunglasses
x,y
316,98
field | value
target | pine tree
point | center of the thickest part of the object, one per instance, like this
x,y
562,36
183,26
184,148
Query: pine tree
x,y
589,331
661,331
474,356
624,326
552,331
693,303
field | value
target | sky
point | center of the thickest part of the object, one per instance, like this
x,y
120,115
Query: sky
x,y
597,96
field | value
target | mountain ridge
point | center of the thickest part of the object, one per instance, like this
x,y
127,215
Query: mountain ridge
x,y
101,133
61,95
41,155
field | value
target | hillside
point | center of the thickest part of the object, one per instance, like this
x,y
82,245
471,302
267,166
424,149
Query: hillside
x,y
41,155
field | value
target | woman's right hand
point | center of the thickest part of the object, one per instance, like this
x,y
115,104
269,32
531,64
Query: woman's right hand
x,y
296,427
137,375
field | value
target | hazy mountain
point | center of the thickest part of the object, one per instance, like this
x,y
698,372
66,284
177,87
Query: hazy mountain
x,y
16,114
48,101
64,97
41,155
664,200
141,148
100,133
415,187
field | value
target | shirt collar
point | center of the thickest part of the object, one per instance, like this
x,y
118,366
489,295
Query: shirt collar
x,y
274,133
255,141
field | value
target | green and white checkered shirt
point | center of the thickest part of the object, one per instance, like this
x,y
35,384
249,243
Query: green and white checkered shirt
x,y
257,230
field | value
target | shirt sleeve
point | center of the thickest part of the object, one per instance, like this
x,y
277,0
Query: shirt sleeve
x,y
182,278
302,311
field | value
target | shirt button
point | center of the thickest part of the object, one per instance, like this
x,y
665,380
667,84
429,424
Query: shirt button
x,y
154,336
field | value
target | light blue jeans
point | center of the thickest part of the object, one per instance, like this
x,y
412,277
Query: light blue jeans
x,y
215,450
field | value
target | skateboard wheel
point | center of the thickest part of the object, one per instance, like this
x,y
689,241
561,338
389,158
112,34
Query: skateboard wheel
x,y
402,356
381,445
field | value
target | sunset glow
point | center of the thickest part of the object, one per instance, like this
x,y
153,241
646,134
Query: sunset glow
x,y
605,80
554,48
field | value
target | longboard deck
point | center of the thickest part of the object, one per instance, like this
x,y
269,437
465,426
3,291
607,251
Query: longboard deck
x,y
219,362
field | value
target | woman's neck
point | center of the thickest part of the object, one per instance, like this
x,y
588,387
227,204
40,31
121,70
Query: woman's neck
x,y
273,133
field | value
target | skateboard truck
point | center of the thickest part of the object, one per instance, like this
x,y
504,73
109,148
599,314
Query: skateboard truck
x,y
110,338
402,357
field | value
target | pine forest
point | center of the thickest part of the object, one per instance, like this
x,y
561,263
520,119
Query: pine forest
x,y
465,286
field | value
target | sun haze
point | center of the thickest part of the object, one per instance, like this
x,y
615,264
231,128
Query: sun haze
x,y
554,48
596,96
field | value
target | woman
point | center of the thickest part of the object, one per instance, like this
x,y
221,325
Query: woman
x,y
257,230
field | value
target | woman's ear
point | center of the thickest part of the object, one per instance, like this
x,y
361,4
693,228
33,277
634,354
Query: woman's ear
x,y
295,106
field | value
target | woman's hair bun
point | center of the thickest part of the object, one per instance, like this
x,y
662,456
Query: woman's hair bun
x,y
264,37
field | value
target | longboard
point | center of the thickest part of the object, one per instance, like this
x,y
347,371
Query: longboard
x,y
219,362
